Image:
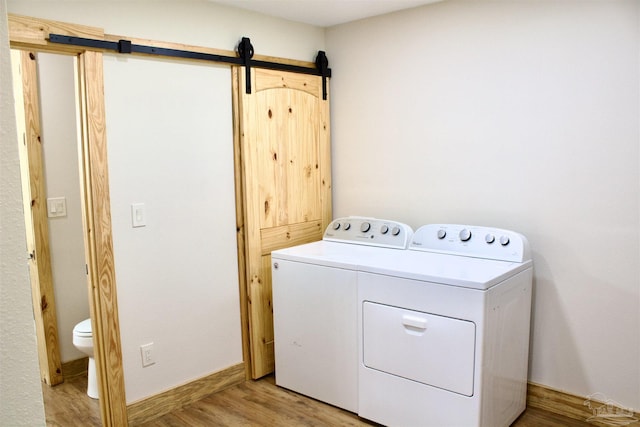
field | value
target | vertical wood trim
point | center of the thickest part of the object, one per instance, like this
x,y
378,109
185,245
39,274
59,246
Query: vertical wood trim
x,y
97,208
37,226
253,252
325,160
240,224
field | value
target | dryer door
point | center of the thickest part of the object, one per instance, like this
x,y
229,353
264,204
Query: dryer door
x,y
430,349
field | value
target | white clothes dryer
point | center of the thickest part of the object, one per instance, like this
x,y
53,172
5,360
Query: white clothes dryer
x,y
315,311
443,329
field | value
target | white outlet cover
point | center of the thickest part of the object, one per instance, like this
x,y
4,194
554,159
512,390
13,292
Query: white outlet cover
x,y
148,358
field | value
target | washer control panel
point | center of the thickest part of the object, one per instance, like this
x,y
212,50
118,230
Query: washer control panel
x,y
473,241
369,231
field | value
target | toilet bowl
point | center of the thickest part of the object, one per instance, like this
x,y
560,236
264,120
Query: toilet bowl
x,y
83,340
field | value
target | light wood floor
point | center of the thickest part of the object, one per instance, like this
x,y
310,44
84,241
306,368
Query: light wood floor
x,y
254,403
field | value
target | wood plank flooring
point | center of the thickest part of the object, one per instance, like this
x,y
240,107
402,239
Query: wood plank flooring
x,y
254,403
67,404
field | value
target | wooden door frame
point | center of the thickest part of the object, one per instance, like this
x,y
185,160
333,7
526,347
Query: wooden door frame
x,y
35,215
31,35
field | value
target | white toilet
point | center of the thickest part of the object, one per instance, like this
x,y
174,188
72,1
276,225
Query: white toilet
x,y
83,340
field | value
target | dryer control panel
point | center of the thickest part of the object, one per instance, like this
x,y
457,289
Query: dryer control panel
x,y
369,231
473,241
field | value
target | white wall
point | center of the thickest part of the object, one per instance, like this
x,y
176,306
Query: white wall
x,y
62,179
170,147
520,115
21,397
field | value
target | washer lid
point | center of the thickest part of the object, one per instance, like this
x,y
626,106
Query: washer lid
x,y
331,254
83,328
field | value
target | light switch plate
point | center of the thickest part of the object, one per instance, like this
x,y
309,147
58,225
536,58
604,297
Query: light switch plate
x,y
56,207
138,215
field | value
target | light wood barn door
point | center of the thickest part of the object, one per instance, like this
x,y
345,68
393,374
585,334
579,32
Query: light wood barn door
x,y
284,144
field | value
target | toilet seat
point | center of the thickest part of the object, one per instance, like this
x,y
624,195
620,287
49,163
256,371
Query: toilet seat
x,y
83,329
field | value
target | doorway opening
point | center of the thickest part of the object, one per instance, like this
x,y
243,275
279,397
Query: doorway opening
x,y
96,222
47,111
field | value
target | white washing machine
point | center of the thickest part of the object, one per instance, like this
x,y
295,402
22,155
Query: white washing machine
x,y
315,311
444,329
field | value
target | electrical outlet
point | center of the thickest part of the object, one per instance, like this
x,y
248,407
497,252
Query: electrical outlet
x,y
148,358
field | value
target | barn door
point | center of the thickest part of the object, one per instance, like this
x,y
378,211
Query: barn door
x,y
284,159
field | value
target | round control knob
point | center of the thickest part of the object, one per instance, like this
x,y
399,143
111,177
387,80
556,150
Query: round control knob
x,y
395,231
365,226
504,240
442,234
489,238
336,225
347,226
465,235
384,229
